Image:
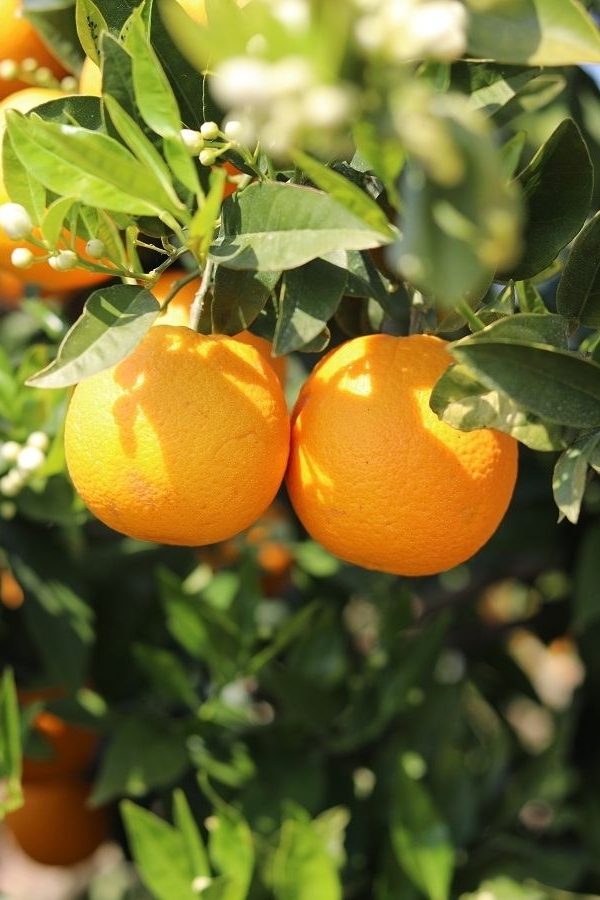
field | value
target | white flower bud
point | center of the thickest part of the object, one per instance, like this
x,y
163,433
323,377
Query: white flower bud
x,y
12,483
8,70
15,221
242,81
209,131
10,451
29,65
294,14
193,140
8,511
38,439
43,75
291,76
69,84
21,257
63,261
95,248
233,130
30,459
208,157
327,106
439,29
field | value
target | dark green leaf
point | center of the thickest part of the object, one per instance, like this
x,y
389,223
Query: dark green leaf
x,y
512,152
553,384
578,295
55,22
160,854
310,297
524,328
271,227
533,32
557,185
10,745
142,756
420,838
586,610
113,322
239,296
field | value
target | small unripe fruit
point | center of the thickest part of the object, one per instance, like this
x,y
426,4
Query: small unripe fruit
x,y
43,75
233,130
29,65
21,258
12,483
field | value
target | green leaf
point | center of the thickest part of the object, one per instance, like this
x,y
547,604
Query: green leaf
x,y
511,153
586,611
462,401
557,185
113,322
10,745
570,476
271,227
20,185
578,294
310,297
166,674
385,158
540,328
420,838
140,146
346,194
238,297
533,32
91,24
301,868
554,384
153,94
91,166
202,228
194,845
141,757
54,217
231,851
160,854
72,109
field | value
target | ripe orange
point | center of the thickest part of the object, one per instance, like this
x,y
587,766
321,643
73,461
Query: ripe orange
x,y
12,290
54,826
230,188
184,442
374,475
178,313
90,79
18,41
23,101
72,746
11,592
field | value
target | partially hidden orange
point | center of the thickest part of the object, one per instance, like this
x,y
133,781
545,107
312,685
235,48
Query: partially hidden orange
x,y
72,747
184,442
178,313
55,826
90,78
19,41
377,478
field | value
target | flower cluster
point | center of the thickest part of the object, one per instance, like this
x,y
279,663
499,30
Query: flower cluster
x,y
20,463
401,30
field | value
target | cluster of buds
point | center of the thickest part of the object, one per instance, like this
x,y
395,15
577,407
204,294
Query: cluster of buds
x,y
20,462
401,30
280,104
16,223
31,72
211,142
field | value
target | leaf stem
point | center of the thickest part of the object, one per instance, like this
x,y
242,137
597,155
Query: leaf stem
x,y
472,318
198,302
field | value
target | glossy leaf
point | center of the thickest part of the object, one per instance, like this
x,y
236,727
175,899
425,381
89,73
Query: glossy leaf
x,y
524,328
202,228
55,22
91,24
20,185
578,295
302,869
271,227
570,476
91,166
420,838
113,322
160,854
533,32
238,297
310,297
54,217
553,384
557,185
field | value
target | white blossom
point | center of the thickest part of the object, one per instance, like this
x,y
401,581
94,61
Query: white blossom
x,y
21,257
30,459
15,221
38,439
64,261
95,248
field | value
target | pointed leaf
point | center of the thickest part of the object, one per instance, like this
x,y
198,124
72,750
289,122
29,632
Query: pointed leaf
x,y
91,24
570,476
194,845
238,297
273,227
113,322
310,297
10,745
578,295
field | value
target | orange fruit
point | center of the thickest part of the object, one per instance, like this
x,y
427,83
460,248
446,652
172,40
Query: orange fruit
x,y
12,290
23,101
90,79
54,826
230,188
73,747
178,313
18,41
374,475
184,442
11,592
